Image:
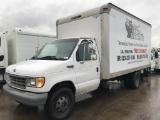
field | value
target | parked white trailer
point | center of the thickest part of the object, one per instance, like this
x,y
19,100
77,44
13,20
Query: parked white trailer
x,y
18,45
105,43
157,59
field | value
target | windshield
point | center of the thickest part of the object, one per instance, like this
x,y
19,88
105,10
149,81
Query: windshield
x,y
57,50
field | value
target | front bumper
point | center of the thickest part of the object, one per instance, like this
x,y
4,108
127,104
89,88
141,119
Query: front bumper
x,y
27,98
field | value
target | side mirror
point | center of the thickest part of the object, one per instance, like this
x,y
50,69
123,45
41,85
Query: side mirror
x,y
94,57
91,48
94,47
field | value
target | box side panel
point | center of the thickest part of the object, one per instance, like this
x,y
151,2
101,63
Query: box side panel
x,y
11,44
86,27
44,40
129,44
27,47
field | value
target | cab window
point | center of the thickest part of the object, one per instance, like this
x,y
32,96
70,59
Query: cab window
x,y
84,51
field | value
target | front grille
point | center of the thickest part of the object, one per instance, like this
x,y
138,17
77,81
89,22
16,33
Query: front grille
x,y
18,81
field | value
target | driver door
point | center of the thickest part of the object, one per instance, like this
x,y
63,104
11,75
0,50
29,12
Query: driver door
x,y
87,69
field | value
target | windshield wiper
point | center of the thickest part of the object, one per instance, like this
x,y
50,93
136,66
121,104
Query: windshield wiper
x,y
61,59
47,58
34,58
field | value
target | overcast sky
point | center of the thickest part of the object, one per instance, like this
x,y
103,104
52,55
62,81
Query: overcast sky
x,y
42,14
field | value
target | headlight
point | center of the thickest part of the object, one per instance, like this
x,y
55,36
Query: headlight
x,y
7,77
35,82
30,82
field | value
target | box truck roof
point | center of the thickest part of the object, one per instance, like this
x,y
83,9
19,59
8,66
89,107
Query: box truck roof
x,y
99,10
31,32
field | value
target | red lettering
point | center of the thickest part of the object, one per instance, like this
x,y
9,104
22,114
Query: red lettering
x,y
142,50
135,50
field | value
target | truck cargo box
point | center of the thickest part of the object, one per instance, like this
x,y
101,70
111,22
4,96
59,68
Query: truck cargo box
x,y
18,45
124,40
23,44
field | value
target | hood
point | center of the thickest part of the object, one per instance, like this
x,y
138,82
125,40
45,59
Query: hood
x,y
39,67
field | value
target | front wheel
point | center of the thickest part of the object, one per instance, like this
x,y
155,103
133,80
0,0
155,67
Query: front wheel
x,y
60,104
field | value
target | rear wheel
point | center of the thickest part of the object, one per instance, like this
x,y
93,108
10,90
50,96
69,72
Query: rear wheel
x,y
126,81
60,104
135,80
132,80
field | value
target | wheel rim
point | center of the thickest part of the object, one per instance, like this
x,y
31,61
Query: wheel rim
x,y
62,104
137,79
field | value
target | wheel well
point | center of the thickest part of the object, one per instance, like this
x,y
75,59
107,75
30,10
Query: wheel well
x,y
67,84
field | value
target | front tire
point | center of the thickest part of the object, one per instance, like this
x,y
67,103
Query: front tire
x,y
60,104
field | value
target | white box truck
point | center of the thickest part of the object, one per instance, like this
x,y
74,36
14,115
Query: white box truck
x,y
157,59
18,45
105,43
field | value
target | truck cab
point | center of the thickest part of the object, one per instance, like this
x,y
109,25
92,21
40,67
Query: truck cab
x,y
157,59
3,55
72,63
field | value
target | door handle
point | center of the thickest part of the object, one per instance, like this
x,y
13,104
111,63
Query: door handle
x,y
97,69
70,66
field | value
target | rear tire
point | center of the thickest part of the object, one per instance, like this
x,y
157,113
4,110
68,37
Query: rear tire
x,y
126,81
60,104
132,80
135,80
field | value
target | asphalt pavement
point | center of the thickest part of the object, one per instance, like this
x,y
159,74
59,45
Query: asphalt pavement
x,y
112,103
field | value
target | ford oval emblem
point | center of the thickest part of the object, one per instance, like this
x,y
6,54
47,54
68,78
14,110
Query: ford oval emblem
x,y
14,70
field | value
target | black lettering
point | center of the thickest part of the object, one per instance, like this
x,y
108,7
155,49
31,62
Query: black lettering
x,y
121,51
123,58
128,57
118,58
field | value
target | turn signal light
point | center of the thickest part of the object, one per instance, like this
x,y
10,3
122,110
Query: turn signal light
x,y
40,82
